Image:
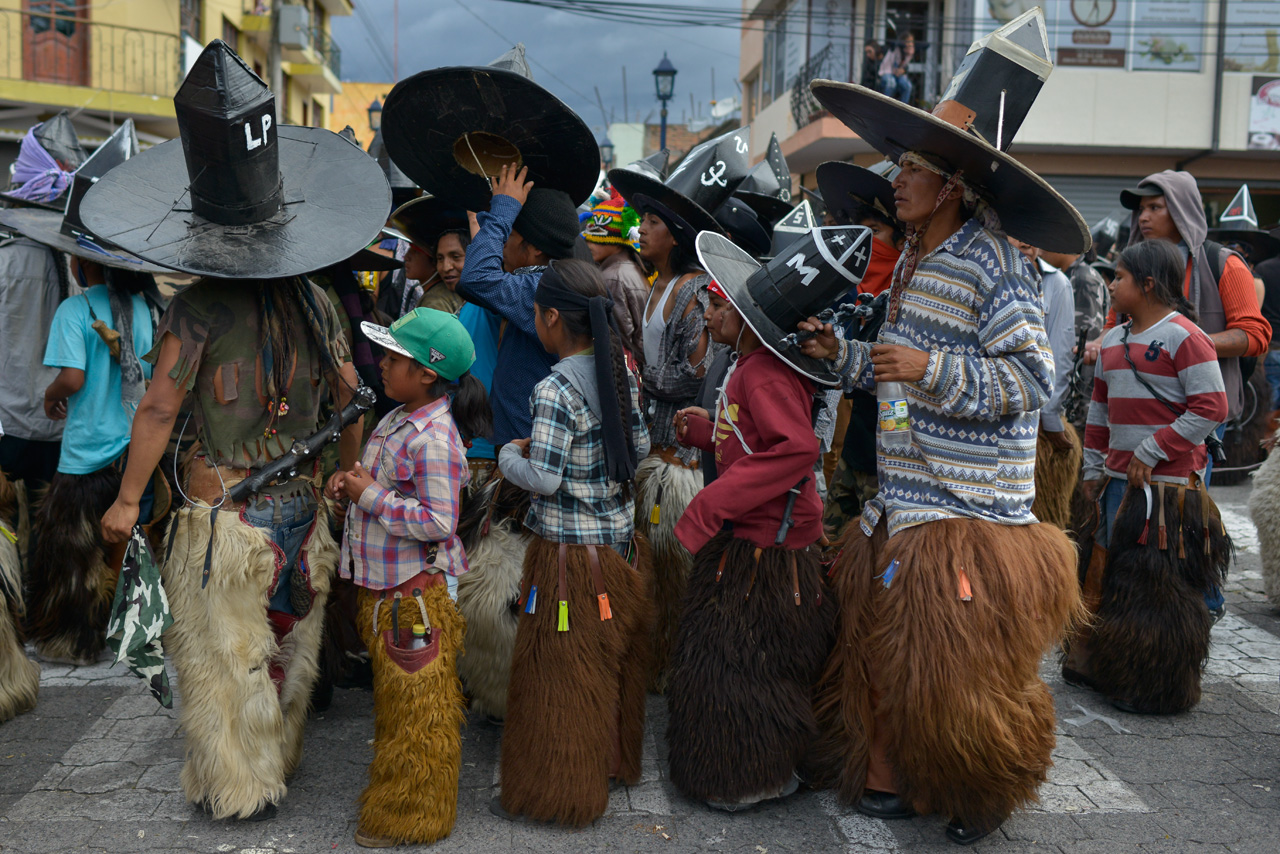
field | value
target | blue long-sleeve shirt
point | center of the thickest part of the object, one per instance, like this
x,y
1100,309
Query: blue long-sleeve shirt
x,y
522,361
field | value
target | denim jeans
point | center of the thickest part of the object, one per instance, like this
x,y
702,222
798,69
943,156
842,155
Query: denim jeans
x,y
896,86
1271,364
1112,495
296,516
1208,468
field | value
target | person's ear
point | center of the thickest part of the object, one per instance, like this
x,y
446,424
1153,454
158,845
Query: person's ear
x,y
429,377
550,317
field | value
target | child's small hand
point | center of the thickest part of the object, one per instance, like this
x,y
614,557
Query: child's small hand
x,y
523,445
356,481
823,344
335,487
681,420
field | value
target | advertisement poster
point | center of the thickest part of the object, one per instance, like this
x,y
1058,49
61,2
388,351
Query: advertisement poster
x,y
1253,36
1168,35
1092,33
1264,114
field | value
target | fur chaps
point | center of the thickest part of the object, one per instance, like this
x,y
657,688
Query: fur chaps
x,y
1057,472
575,709
677,485
964,720
740,692
488,590
1264,507
73,572
1151,636
19,675
418,712
244,735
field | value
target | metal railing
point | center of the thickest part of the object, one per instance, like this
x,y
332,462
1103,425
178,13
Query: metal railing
x,y
51,45
327,49
804,107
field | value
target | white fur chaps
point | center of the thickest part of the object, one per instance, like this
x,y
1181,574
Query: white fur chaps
x,y
487,592
1264,507
244,737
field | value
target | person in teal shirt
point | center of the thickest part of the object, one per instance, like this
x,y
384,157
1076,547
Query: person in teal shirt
x,y
97,341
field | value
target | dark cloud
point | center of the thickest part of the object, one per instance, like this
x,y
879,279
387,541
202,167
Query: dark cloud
x,y
582,52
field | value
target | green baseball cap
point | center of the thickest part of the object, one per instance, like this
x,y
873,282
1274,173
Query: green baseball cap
x,y
437,339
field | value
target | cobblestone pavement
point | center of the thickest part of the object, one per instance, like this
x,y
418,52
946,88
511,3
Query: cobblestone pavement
x,y
95,767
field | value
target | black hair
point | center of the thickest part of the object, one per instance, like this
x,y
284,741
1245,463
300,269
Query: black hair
x,y
683,260
864,211
131,282
583,278
463,235
469,403
283,305
1162,263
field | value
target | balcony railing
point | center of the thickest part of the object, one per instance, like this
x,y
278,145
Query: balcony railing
x,y
51,44
328,51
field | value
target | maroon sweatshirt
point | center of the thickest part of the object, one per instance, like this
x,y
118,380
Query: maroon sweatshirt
x,y
772,406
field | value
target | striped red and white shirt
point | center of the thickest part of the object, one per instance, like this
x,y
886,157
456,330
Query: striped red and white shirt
x,y
1178,360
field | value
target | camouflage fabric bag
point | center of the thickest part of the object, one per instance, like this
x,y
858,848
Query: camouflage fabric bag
x,y
139,616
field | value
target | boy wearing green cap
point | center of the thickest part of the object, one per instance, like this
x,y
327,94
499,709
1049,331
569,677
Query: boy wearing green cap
x,y
401,548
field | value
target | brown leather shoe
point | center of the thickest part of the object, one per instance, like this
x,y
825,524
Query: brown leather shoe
x,y
367,840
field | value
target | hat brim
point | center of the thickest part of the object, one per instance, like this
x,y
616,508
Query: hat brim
x,y
846,185
641,192
381,336
426,114
368,261
424,219
1132,197
770,209
58,205
731,267
1029,209
336,200
45,226
1263,244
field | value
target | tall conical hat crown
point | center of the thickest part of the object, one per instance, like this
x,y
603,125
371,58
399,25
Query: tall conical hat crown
x,y
236,196
1238,226
1240,212
767,187
795,225
972,127
58,137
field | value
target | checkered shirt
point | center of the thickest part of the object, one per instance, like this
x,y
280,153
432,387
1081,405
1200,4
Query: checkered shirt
x,y
419,466
568,440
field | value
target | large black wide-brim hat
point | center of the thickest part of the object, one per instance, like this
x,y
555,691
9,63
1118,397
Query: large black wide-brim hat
x,y
1029,209
45,226
1262,244
844,186
449,128
425,218
335,201
683,216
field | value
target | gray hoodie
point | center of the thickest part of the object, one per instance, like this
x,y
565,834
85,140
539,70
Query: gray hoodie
x,y
1182,198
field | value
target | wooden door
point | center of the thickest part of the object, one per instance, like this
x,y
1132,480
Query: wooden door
x,y
55,42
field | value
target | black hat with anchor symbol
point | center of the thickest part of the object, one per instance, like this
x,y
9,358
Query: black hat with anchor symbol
x,y
809,277
704,180
971,129
452,129
767,187
238,196
65,231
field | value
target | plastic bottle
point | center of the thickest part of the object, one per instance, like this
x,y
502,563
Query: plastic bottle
x,y
891,404
419,637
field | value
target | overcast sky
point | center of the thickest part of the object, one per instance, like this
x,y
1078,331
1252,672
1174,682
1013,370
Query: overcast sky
x,y
582,52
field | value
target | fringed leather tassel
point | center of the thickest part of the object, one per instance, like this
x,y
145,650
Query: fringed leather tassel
x,y
966,590
752,582
795,579
1163,538
889,573
656,514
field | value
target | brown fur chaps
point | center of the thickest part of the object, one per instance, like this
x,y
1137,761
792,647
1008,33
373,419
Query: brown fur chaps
x,y
1057,472
740,694
575,707
19,675
968,726
418,712
1151,636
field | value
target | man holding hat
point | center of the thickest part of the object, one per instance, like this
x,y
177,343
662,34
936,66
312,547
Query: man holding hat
x,y
950,591
250,207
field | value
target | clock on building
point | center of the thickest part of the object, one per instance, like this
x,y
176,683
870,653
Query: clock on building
x,y
1093,13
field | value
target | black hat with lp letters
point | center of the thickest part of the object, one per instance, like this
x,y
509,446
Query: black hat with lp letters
x,y
237,196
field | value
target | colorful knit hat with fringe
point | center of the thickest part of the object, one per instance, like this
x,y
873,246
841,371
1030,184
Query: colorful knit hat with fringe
x,y
613,221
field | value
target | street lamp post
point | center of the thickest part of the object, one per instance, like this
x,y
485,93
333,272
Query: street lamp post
x,y
606,151
664,79
375,115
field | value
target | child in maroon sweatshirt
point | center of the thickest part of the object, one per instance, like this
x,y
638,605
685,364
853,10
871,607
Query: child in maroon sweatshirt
x,y
757,623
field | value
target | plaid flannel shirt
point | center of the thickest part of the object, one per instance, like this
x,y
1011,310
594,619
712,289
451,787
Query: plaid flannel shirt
x,y
568,440
419,466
